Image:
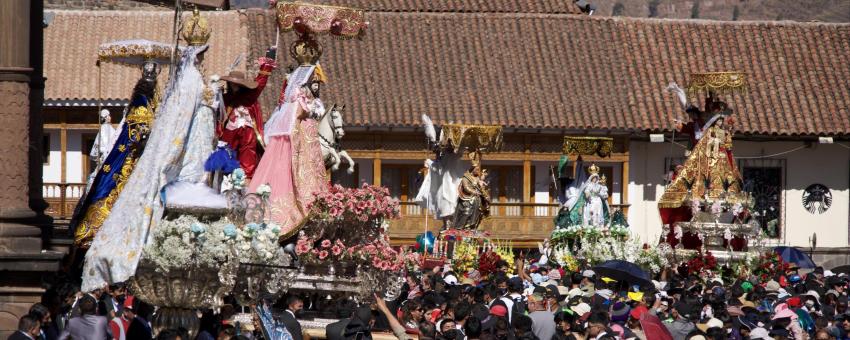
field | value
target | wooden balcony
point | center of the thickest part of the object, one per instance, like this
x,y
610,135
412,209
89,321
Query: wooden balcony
x,y
523,223
62,198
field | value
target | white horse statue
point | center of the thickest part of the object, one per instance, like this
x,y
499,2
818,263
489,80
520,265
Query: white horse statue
x,y
330,133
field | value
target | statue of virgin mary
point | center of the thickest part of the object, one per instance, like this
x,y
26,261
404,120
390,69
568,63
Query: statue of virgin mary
x,y
116,250
586,205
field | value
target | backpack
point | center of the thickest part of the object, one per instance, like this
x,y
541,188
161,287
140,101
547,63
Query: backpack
x,y
519,307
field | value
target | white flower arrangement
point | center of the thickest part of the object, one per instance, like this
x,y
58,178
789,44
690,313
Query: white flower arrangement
x,y
264,190
188,242
234,181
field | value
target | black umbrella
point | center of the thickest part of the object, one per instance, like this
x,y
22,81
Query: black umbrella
x,y
845,269
623,271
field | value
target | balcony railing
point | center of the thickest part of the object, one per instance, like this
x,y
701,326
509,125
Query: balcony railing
x,y
510,221
513,221
62,198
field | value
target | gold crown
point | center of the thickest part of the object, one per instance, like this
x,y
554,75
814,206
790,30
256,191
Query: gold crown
x,y
593,169
196,30
306,51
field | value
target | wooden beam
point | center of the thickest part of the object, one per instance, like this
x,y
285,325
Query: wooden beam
x,y
625,178
63,147
376,170
94,127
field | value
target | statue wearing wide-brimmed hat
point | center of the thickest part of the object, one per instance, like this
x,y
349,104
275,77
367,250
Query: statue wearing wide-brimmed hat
x,y
242,127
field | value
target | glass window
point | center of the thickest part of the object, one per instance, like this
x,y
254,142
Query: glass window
x,y
764,180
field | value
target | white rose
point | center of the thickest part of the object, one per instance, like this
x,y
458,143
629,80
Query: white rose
x,y
264,190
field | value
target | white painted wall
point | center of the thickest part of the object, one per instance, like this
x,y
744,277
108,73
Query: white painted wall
x,y
74,160
51,172
825,164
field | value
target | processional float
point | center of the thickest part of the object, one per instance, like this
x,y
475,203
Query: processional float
x,y
199,253
456,192
704,206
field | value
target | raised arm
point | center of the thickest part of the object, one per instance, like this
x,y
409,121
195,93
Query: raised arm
x,y
395,325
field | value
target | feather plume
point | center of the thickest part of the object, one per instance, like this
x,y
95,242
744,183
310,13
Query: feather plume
x,y
680,94
430,132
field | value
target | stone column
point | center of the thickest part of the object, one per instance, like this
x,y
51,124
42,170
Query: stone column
x,y
22,261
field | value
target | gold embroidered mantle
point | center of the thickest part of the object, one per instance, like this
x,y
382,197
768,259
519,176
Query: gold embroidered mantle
x,y
138,123
708,172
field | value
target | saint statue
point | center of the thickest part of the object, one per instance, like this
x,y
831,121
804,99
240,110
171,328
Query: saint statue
x,y
242,129
292,164
117,248
109,178
473,203
586,205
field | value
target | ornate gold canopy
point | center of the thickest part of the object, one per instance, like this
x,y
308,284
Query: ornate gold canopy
x,y
484,138
586,146
720,82
342,22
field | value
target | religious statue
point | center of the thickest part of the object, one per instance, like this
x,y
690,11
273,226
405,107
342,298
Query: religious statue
x,y
586,205
709,170
105,138
473,203
110,177
292,164
242,128
116,250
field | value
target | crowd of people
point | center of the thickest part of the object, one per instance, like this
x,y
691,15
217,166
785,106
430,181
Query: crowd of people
x,y
544,303
539,303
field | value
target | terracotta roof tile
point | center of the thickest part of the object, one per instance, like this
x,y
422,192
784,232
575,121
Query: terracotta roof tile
x,y
72,39
476,6
577,72
530,70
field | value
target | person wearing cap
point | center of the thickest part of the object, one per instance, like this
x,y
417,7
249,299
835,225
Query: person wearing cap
x,y
242,128
553,299
121,324
514,299
634,325
564,322
543,321
681,325
497,311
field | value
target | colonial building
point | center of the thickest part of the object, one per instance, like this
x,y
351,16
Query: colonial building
x,y
543,71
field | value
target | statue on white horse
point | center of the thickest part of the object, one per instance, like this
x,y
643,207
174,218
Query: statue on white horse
x,y
330,134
